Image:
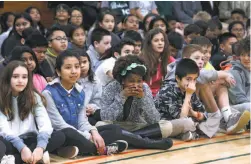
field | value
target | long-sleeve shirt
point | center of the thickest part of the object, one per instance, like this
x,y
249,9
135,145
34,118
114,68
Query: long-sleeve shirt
x,y
11,130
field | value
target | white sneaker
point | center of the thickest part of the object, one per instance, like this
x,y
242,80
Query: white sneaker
x,y
8,159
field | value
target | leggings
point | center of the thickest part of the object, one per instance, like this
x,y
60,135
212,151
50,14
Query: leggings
x,y
109,133
2,150
56,141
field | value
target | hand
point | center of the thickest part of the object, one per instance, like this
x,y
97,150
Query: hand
x,y
130,91
140,92
26,155
191,88
37,154
97,140
89,110
230,81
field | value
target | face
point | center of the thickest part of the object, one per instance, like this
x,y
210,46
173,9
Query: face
x,y
238,31
10,20
132,23
245,60
59,41
29,61
190,37
237,17
19,80
108,22
21,24
226,46
133,80
70,71
103,45
212,33
35,15
62,15
137,48
40,53
160,24
78,37
126,50
84,65
183,83
76,17
158,43
207,50
172,24
173,51
198,57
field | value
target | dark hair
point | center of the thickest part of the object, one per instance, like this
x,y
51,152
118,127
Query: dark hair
x,y
78,9
22,15
40,25
186,66
201,40
27,32
3,20
239,11
73,29
145,18
218,22
149,56
203,25
51,31
231,25
125,18
123,62
248,23
90,71
134,35
65,54
101,16
170,18
175,40
242,46
212,24
224,37
36,39
26,100
63,6
192,29
98,34
154,20
17,52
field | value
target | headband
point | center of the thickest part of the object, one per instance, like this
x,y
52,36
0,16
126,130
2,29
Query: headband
x,y
132,66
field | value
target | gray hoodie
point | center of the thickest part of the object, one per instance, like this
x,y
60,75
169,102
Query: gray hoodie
x,y
206,76
240,93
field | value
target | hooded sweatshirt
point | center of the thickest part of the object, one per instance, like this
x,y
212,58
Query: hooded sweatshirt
x,y
240,93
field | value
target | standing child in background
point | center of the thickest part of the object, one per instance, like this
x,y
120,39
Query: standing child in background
x,y
25,54
76,16
156,56
77,38
24,123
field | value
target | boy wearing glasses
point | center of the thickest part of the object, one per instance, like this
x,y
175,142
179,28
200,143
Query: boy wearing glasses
x,y
57,43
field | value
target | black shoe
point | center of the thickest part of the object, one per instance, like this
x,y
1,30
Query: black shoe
x,y
116,147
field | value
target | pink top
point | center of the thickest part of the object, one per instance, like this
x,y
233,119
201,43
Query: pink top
x,y
39,82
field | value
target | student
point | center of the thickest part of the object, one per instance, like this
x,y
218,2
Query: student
x,y
146,21
235,121
226,41
77,38
21,22
62,16
6,23
175,44
191,31
171,22
76,16
35,14
156,55
104,71
206,46
136,37
58,43
158,22
25,126
239,95
100,43
238,29
238,15
106,21
203,25
67,111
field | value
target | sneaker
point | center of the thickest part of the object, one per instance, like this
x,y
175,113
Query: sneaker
x,y
45,159
237,121
8,159
189,136
68,152
116,147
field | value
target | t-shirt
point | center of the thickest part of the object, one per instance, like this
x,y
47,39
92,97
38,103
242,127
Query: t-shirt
x,y
209,66
144,6
101,71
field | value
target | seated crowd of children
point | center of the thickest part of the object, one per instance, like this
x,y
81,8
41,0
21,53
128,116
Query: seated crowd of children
x,y
68,91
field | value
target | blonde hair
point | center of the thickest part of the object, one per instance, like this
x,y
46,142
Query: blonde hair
x,y
190,49
202,15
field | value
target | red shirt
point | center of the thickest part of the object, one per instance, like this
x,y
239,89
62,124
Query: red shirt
x,y
156,80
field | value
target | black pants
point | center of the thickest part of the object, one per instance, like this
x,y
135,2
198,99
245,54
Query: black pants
x,y
2,149
56,141
109,133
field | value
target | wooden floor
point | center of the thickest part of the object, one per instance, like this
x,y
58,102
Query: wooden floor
x,y
220,149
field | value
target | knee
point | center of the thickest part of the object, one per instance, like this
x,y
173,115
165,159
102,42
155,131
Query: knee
x,y
68,131
59,136
189,125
